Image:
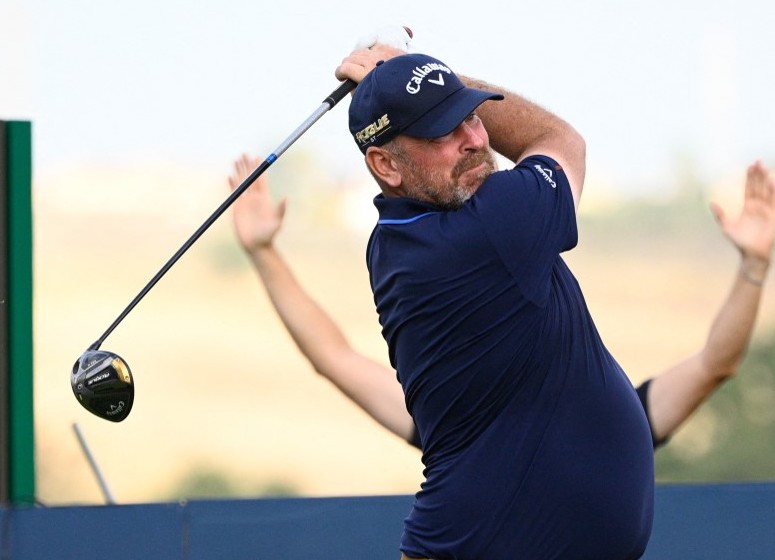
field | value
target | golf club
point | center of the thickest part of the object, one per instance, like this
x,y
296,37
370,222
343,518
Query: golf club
x,y
102,381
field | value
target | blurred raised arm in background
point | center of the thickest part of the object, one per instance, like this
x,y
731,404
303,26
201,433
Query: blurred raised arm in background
x,y
669,398
675,394
369,384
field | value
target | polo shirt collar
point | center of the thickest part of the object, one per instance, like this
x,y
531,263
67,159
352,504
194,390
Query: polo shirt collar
x,y
402,209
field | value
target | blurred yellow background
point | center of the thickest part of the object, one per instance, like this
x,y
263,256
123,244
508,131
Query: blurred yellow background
x,y
220,386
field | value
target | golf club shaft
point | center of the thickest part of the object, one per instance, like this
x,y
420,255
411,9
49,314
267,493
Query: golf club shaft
x,y
335,97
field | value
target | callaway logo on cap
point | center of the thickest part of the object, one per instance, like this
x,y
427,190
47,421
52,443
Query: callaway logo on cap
x,y
412,94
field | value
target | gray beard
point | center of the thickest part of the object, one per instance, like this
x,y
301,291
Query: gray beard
x,y
450,198
430,187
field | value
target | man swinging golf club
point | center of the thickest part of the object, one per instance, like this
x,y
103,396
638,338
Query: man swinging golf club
x,y
535,444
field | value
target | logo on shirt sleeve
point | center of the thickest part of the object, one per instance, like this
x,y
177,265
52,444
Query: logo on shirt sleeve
x,y
547,174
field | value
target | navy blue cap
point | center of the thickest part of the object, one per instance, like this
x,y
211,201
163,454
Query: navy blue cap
x,y
412,94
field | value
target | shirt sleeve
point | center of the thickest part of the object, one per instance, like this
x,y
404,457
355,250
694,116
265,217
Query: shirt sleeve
x,y
530,218
643,391
414,438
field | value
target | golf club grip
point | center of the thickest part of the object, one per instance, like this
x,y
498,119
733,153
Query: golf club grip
x,y
338,94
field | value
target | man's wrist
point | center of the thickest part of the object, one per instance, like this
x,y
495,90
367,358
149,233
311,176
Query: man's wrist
x,y
258,252
754,270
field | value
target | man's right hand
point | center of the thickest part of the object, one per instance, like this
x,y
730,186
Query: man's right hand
x,y
360,62
382,44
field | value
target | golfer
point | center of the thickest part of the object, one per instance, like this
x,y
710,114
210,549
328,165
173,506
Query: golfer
x,y
668,399
535,443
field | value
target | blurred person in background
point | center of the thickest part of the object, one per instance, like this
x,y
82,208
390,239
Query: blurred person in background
x,y
668,397
534,443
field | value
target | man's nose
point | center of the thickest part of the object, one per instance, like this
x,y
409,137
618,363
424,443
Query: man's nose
x,y
471,136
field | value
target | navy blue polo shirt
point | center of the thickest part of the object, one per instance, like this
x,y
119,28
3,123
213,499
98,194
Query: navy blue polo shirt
x,y
535,444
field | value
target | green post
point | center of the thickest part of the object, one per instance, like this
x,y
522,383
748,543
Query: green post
x,y
18,311
4,495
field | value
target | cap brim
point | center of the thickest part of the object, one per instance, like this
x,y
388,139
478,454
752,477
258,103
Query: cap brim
x,y
447,115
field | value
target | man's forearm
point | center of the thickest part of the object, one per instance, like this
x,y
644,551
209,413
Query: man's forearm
x,y
731,330
676,393
303,319
369,384
515,124
518,128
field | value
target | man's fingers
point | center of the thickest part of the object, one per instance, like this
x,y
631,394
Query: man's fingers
x,y
767,181
759,184
753,181
718,214
281,207
358,63
354,67
243,167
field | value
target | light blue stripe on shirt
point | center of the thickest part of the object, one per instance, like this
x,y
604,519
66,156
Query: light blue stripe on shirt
x,y
405,221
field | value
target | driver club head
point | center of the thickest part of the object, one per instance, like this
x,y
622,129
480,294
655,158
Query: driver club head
x,y
103,384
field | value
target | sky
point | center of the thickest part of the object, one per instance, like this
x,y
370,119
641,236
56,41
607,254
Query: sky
x,y
650,85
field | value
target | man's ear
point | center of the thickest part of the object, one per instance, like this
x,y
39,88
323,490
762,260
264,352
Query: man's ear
x,y
383,166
